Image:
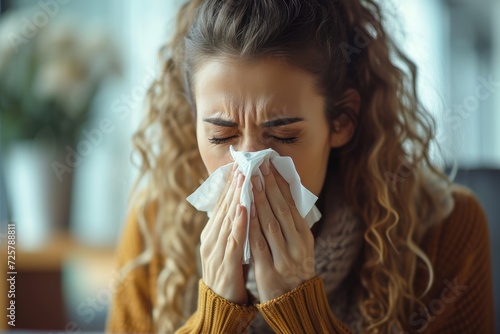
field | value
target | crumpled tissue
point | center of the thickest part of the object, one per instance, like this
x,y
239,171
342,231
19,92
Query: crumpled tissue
x,y
206,196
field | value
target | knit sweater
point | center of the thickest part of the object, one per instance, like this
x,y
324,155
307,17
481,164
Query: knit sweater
x,y
459,301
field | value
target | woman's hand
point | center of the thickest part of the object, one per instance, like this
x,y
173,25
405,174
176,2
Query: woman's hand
x,y
222,242
281,242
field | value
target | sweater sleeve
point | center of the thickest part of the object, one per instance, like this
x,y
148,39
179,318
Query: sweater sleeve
x,y
304,309
218,315
461,298
134,297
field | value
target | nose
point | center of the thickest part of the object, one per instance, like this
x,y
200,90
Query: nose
x,y
251,144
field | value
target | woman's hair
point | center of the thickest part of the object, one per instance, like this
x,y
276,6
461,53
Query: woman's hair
x,y
343,45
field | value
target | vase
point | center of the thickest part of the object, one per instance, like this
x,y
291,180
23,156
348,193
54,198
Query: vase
x,y
39,202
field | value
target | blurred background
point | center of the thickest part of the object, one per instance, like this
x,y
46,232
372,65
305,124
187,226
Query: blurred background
x,y
73,74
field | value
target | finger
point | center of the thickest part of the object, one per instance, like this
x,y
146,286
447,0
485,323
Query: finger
x,y
226,186
259,248
272,279
212,228
279,205
222,197
218,245
284,188
232,212
235,241
270,225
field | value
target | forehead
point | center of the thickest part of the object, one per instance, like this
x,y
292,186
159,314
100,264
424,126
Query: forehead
x,y
237,84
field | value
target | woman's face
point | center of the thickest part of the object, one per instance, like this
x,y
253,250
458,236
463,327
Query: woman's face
x,y
259,105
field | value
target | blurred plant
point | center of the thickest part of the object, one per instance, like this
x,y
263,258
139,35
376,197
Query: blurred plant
x,y
48,82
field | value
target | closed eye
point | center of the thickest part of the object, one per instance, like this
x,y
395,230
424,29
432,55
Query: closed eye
x,y
289,140
219,141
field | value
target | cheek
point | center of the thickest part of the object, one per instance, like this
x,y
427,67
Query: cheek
x,y
312,176
311,166
209,160
311,160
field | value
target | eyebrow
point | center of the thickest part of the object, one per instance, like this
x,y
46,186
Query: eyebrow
x,y
269,124
282,121
221,122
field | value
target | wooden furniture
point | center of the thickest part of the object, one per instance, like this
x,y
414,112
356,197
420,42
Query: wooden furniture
x,y
39,296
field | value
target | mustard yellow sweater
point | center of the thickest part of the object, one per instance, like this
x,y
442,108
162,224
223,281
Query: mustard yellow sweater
x,y
460,300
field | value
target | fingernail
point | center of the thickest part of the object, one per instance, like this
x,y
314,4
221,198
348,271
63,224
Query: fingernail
x,y
240,180
232,173
264,167
252,210
258,184
239,210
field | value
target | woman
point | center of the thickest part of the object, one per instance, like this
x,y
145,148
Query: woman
x,y
398,248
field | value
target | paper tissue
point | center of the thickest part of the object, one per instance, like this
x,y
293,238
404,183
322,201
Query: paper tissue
x,y
206,196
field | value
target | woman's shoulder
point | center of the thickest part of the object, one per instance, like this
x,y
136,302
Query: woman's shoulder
x,y
458,249
467,213
462,231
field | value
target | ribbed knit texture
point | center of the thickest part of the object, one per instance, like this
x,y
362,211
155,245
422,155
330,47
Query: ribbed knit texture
x,y
460,300
236,319
303,310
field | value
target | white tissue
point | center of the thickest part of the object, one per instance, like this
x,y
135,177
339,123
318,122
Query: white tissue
x,y
206,196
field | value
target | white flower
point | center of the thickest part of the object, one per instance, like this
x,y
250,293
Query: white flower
x,y
10,29
72,64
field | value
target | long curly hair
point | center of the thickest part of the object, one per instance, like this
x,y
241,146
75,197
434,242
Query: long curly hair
x,y
344,45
